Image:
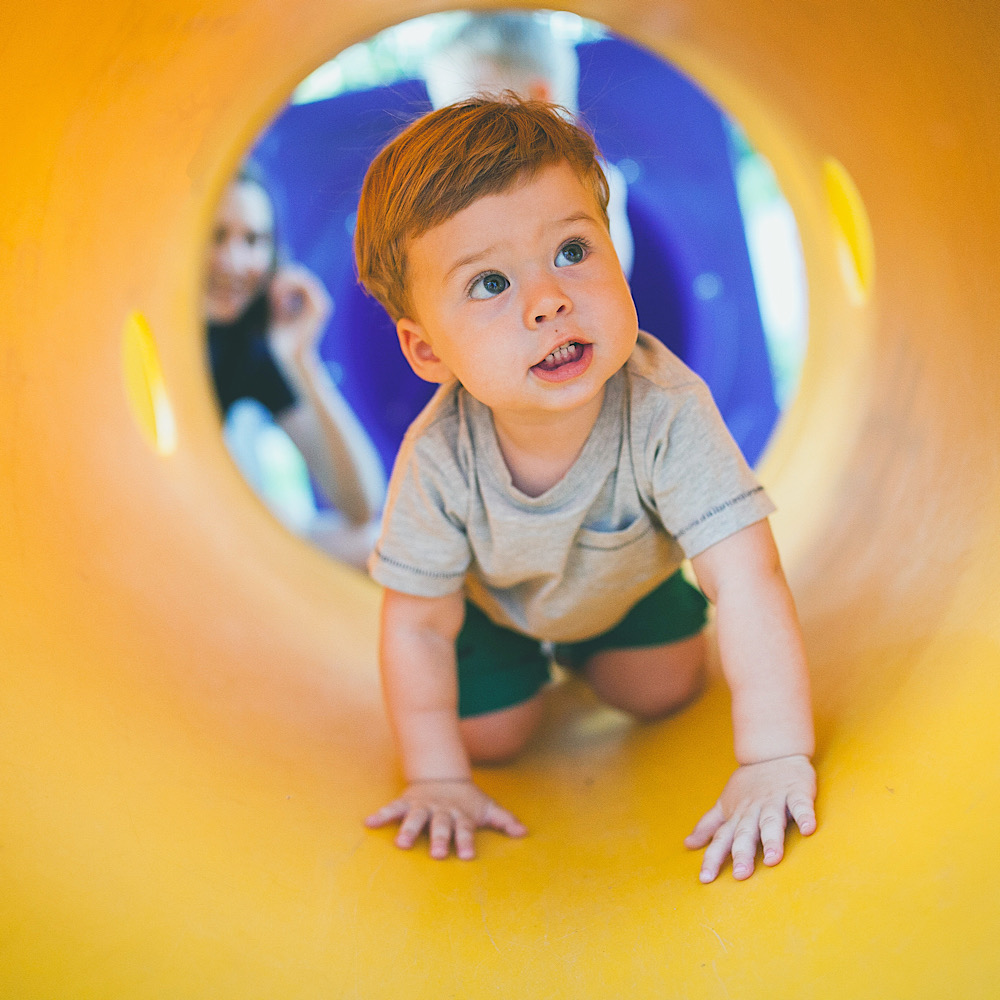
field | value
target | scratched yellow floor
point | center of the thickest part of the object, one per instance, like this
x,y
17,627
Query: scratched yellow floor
x,y
191,730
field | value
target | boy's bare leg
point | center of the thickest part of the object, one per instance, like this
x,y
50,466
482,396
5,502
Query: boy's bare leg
x,y
496,737
649,682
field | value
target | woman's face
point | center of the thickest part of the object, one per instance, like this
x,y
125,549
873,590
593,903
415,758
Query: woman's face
x,y
241,254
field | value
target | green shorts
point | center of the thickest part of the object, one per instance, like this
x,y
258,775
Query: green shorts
x,y
498,668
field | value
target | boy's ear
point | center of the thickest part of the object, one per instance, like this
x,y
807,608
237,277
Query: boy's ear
x,y
418,352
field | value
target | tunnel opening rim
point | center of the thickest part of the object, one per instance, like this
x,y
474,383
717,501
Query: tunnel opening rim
x,y
798,168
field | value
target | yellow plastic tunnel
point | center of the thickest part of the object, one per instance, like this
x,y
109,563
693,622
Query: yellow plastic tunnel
x,y
190,723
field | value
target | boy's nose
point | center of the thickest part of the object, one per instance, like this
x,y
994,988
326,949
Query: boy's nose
x,y
546,301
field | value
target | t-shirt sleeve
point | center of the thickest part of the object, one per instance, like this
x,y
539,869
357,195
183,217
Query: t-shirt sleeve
x,y
703,488
423,548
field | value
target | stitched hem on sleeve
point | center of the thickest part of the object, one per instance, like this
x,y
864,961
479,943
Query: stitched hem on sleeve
x,y
413,579
725,519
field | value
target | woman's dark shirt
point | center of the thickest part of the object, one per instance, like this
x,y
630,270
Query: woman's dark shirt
x,y
242,363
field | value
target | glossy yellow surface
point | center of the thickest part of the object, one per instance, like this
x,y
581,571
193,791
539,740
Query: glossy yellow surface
x,y
190,725
145,385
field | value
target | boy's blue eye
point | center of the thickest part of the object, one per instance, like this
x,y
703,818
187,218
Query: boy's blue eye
x,y
487,286
571,253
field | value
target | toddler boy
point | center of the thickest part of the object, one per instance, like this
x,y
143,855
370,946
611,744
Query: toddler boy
x,y
551,489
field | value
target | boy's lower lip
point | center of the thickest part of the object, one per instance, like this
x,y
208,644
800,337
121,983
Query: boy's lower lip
x,y
569,370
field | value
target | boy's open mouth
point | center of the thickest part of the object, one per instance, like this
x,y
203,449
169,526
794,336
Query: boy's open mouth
x,y
564,362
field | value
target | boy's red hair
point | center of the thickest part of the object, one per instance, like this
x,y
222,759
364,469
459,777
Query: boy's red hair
x,y
445,161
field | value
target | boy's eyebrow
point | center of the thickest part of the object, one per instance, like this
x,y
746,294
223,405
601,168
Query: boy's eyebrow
x,y
469,259
478,255
577,217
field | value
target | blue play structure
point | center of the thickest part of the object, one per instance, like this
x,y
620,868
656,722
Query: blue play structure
x,y
691,280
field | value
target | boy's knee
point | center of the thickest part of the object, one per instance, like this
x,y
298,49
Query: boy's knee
x,y
650,684
498,737
687,689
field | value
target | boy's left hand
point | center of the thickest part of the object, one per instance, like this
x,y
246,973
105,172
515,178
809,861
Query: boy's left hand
x,y
753,809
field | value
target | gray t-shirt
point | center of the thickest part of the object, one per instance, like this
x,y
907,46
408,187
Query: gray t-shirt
x,y
659,479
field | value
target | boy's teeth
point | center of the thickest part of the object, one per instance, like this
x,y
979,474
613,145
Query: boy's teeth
x,y
561,353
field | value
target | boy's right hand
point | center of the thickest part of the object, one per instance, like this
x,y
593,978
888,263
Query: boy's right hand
x,y
451,811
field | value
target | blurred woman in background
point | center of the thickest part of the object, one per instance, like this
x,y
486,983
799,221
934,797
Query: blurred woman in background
x,y
264,320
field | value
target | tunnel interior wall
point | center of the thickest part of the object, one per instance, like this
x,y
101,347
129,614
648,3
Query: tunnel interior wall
x,y
192,727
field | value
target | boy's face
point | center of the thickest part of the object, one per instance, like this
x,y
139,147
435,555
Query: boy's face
x,y
521,297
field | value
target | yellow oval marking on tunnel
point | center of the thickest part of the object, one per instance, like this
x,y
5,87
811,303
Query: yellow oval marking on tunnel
x,y
145,387
855,243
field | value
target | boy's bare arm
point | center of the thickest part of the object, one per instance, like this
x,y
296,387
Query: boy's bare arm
x,y
421,691
764,664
